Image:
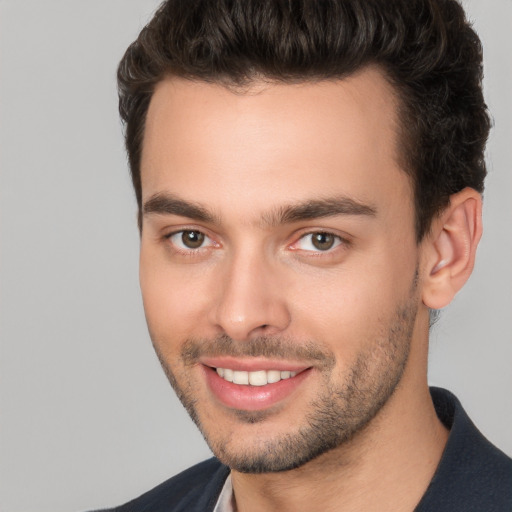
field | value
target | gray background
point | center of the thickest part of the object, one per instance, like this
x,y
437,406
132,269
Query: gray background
x,y
87,418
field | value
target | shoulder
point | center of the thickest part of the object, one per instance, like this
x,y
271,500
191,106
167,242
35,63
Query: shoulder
x,y
196,488
473,475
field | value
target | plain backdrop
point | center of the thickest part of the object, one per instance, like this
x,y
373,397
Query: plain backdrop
x,y
87,417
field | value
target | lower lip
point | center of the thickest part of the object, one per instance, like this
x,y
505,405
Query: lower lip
x,y
252,398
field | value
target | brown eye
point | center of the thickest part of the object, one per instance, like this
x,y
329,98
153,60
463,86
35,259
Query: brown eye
x,y
323,241
192,239
318,241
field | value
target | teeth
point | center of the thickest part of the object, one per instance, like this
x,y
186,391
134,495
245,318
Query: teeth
x,y
258,378
273,376
240,377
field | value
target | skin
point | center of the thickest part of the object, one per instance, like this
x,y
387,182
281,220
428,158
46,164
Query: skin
x,y
243,157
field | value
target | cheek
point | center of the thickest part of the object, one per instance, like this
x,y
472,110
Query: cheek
x,y
340,311
351,307
174,300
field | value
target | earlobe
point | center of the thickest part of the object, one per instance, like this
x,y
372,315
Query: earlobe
x,y
451,248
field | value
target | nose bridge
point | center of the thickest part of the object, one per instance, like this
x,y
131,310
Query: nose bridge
x,y
250,301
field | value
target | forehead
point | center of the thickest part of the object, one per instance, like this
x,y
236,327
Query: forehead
x,y
232,148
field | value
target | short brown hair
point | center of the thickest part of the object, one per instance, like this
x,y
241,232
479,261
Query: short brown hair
x,y
426,49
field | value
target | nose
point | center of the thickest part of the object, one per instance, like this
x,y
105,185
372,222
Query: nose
x,y
251,299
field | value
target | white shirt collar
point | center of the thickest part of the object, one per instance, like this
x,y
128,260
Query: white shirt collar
x,y
225,503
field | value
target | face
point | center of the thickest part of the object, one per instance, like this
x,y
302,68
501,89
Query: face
x,y
278,261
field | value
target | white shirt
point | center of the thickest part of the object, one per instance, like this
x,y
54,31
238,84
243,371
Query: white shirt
x,y
225,503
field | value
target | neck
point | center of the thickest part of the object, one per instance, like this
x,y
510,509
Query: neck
x,y
386,467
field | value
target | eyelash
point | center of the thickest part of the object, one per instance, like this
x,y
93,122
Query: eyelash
x,y
188,251
338,240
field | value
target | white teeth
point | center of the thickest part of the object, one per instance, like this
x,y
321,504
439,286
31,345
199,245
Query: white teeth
x,y
257,378
240,377
273,376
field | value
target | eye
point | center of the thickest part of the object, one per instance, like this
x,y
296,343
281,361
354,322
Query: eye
x,y
190,239
318,241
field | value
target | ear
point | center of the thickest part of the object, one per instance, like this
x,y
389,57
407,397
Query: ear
x,y
450,248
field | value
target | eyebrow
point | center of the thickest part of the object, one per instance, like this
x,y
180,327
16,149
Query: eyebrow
x,y
317,209
167,204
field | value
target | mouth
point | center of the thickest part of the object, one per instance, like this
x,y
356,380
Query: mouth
x,y
253,385
255,378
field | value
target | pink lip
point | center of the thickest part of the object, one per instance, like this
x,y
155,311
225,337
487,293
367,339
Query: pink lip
x,y
252,398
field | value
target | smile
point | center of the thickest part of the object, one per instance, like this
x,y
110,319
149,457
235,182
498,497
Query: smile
x,y
252,385
254,378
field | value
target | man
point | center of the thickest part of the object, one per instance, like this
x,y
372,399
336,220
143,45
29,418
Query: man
x,y
309,178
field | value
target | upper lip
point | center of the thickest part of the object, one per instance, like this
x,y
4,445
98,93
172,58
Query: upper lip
x,y
252,364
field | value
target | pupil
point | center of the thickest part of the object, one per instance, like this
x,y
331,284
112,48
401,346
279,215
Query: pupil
x,y
323,241
192,239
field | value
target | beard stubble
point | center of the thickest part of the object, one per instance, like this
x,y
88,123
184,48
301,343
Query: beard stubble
x,y
344,407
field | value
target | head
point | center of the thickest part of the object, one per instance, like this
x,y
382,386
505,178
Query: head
x,y
308,178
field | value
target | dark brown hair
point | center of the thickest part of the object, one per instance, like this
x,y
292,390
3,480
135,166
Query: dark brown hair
x,y
426,49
